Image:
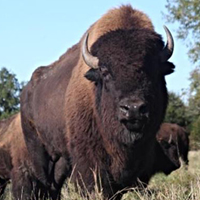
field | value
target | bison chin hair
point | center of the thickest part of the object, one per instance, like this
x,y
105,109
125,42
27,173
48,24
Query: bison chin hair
x,y
129,138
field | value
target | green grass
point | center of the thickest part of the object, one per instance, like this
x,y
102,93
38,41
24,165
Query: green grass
x,y
182,184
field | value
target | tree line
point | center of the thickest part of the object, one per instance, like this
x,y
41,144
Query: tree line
x,y
186,13
10,89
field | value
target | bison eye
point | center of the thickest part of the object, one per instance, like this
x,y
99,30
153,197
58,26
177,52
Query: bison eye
x,y
105,73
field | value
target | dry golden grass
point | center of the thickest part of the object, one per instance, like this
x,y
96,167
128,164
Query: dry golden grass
x,y
182,184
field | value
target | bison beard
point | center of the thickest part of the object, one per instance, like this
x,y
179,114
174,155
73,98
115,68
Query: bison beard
x,y
100,105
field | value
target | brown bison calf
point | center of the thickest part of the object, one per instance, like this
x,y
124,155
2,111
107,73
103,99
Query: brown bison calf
x,y
15,164
170,134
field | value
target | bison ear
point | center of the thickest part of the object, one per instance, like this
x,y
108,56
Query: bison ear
x,y
92,75
167,68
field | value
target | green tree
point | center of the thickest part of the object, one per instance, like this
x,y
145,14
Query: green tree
x,y
9,93
187,14
176,111
194,95
194,108
195,135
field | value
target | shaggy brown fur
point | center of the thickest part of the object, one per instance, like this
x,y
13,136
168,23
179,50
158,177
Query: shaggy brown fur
x,y
123,18
12,149
179,136
70,111
15,162
16,165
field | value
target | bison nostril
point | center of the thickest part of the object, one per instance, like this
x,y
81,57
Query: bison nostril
x,y
124,108
143,109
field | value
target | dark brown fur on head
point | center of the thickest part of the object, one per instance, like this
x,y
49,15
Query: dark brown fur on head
x,y
129,67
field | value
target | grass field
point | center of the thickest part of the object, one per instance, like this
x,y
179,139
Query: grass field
x,y
182,184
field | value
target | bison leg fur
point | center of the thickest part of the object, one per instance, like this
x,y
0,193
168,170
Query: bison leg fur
x,y
61,171
22,185
37,153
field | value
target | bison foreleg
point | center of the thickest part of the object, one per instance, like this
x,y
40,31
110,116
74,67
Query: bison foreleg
x,y
22,184
37,152
61,171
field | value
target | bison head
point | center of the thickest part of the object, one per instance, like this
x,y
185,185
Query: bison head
x,y
128,69
170,148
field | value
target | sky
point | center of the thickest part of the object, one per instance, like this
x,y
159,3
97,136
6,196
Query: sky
x,y
36,33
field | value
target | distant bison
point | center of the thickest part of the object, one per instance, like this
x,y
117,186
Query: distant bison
x,y
5,158
170,134
12,150
166,155
101,104
15,164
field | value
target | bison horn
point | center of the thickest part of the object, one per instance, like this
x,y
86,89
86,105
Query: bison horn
x,y
89,59
168,49
170,139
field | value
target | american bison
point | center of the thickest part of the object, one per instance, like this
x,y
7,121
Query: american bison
x,y
170,134
14,159
166,153
16,166
166,160
10,142
6,137
101,104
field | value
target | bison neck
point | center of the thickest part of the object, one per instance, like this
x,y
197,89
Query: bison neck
x,y
115,163
129,159
130,164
